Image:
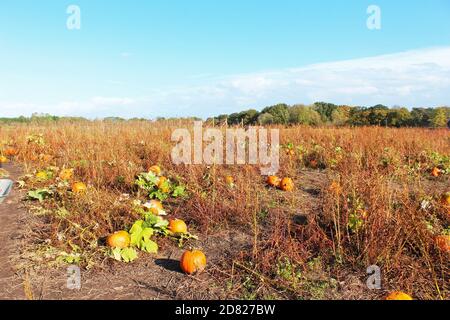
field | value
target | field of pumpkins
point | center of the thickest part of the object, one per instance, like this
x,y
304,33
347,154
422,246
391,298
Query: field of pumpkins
x,y
343,199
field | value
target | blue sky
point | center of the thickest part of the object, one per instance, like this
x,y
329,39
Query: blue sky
x,y
182,58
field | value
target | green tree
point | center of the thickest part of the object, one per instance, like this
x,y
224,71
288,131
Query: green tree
x,y
439,119
265,118
280,113
300,114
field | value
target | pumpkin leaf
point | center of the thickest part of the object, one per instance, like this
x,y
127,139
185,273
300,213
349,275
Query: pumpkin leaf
x,y
128,254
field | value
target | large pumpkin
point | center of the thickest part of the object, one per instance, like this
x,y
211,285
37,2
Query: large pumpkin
x,y
273,181
398,295
177,226
193,261
119,239
79,187
287,184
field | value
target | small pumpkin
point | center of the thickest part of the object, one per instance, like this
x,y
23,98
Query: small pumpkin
x,y
79,187
45,158
192,262
398,295
313,164
229,180
335,187
155,207
177,226
10,152
119,239
273,181
3,159
42,175
445,199
155,169
287,184
163,185
66,174
443,243
435,172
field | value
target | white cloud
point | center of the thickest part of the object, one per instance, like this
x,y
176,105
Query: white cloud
x,y
413,78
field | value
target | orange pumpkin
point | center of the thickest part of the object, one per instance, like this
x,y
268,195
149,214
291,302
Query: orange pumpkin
x,y
229,180
45,157
66,174
398,295
163,185
443,243
313,164
445,199
155,206
119,239
435,172
273,181
177,226
193,261
287,184
10,152
3,159
155,169
79,187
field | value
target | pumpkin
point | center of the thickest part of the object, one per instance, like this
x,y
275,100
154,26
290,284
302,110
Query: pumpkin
x,y
66,174
313,164
3,159
10,152
443,243
163,185
79,187
273,181
229,180
398,295
155,207
42,175
193,261
287,184
445,199
119,239
435,172
177,226
155,169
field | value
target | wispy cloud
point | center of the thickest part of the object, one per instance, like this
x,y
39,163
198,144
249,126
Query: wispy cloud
x,y
413,78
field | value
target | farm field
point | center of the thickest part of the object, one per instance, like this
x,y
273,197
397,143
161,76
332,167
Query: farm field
x,y
361,197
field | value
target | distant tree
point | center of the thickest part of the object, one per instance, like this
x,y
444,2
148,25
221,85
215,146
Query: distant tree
x,y
341,115
440,118
280,113
300,114
399,117
325,110
265,118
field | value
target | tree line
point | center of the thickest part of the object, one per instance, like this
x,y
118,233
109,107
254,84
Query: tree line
x,y
317,114
322,113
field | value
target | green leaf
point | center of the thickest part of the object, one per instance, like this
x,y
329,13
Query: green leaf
x,y
117,254
128,254
150,246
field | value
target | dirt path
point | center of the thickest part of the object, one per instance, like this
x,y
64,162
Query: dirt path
x,y
11,214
